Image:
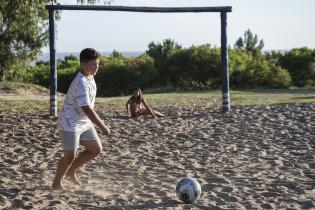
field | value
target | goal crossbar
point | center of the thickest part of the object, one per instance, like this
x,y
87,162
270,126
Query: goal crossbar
x,y
224,48
139,9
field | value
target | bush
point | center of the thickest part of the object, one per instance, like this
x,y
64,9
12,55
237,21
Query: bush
x,y
118,76
143,67
197,66
115,81
20,72
194,68
301,65
247,71
39,74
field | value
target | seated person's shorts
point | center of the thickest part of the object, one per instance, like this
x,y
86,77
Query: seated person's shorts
x,y
71,139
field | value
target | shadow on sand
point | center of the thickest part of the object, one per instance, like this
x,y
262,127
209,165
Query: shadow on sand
x,y
150,205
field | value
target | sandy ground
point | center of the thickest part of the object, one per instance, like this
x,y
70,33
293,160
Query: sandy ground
x,y
255,157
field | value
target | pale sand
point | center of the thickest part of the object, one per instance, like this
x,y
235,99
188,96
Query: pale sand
x,y
255,157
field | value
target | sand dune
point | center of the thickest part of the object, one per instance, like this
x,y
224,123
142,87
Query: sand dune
x,y
255,157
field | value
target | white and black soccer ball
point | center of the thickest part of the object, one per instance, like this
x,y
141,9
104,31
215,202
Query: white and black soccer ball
x,y
188,190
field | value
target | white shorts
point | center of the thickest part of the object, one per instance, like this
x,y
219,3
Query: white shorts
x,y
71,139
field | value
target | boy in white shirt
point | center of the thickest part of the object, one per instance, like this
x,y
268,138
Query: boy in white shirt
x,y
76,120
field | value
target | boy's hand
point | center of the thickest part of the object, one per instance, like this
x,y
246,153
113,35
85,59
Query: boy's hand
x,y
105,129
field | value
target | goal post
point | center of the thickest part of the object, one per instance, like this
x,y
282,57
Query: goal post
x,y
224,48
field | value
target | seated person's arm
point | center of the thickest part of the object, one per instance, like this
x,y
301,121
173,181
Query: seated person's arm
x,y
95,119
128,107
148,108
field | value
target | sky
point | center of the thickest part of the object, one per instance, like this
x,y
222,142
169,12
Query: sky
x,y
281,24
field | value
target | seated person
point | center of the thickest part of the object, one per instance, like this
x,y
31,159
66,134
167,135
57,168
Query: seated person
x,y
137,107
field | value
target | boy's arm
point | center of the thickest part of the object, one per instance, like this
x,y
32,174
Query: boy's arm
x,y
148,108
92,115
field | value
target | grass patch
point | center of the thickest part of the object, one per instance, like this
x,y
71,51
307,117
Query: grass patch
x,y
268,97
166,99
24,105
180,99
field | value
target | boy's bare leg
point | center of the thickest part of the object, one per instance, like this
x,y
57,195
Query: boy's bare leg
x,y
62,168
92,149
74,178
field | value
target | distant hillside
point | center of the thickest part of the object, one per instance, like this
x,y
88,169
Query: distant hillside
x,y
22,89
61,55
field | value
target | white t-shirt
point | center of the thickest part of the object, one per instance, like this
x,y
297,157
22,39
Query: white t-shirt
x,y
82,92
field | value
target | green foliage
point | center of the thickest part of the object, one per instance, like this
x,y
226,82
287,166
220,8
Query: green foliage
x,y
194,68
143,67
118,75
246,71
23,32
41,73
19,72
250,43
300,63
273,57
160,52
197,66
66,70
113,76
116,54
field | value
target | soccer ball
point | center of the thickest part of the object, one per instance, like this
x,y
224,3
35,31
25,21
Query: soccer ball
x,y
188,190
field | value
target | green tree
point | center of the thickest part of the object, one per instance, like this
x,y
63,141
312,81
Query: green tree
x,y
160,53
248,72
119,75
273,57
23,32
116,54
250,43
143,67
300,63
195,67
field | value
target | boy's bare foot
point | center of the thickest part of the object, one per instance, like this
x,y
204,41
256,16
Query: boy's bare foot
x,y
74,178
57,186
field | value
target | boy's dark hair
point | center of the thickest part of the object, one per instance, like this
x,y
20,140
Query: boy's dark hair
x,y
88,54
